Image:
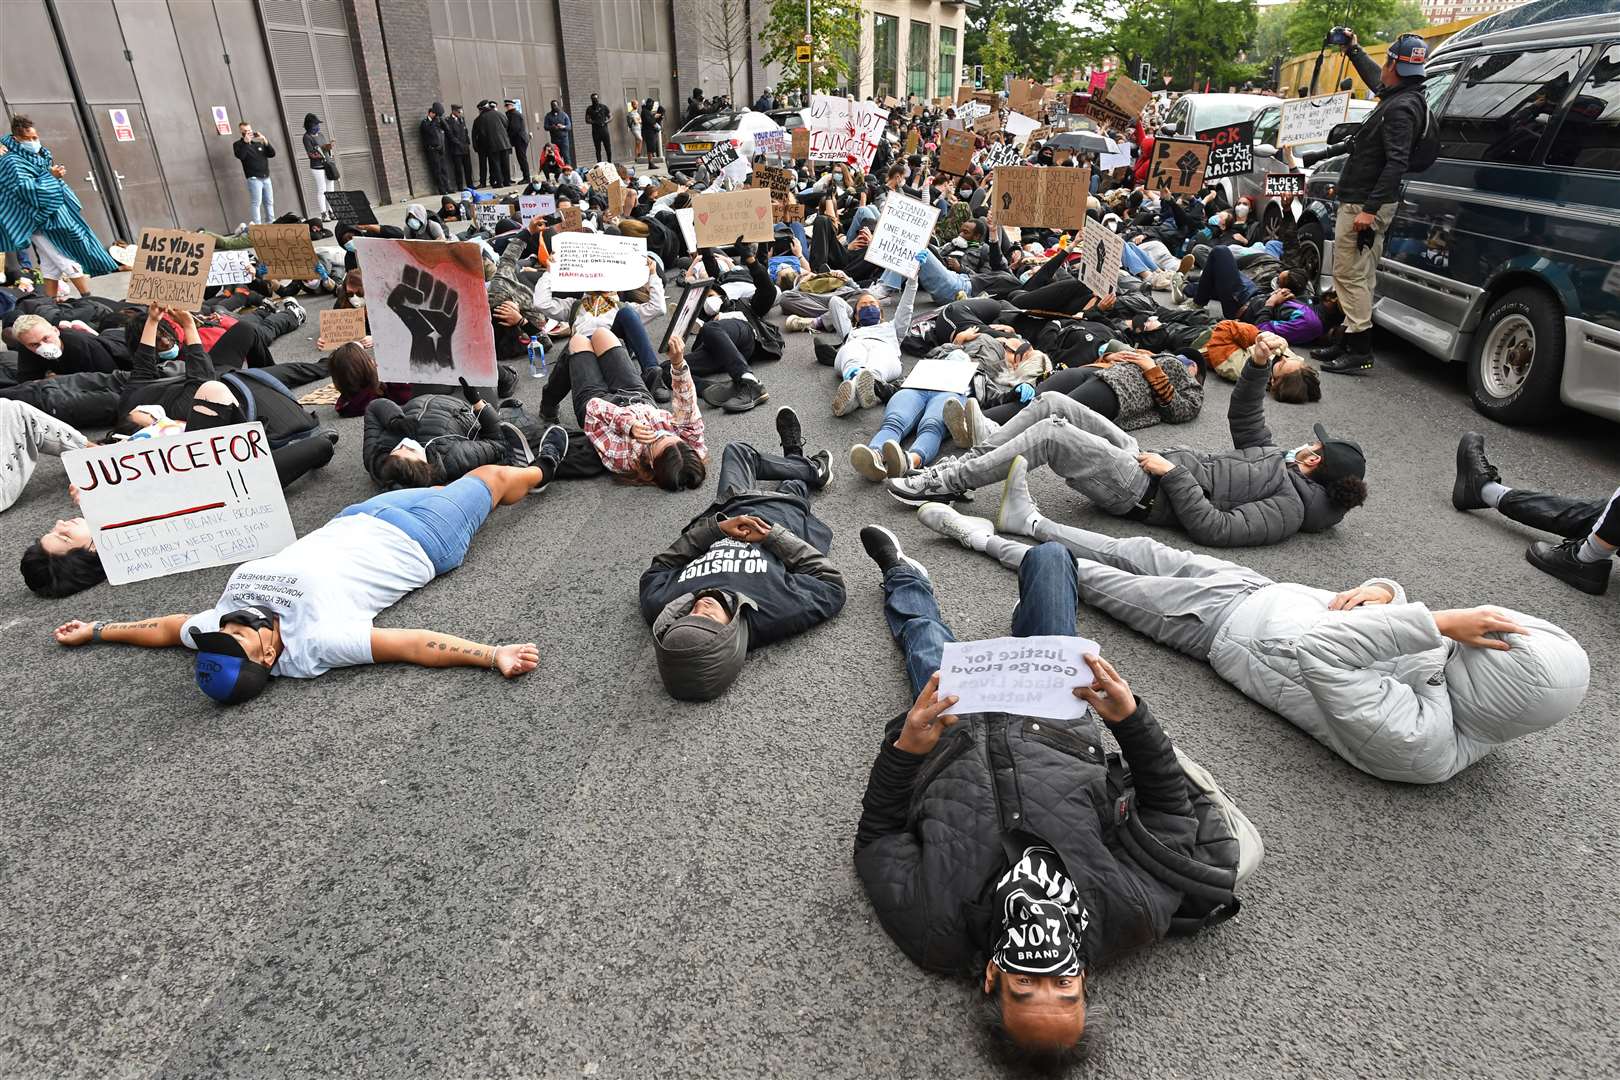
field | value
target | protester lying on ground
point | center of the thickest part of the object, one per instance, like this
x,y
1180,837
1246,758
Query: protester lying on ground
x,y
437,439
325,589
634,437
991,847
868,350
1255,493
1398,691
354,375
1589,527
24,432
1279,312
45,350
750,570
733,335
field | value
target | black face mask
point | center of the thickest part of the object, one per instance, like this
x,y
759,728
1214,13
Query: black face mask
x,y
1037,939
254,618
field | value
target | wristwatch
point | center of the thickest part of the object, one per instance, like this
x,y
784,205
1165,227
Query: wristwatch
x,y
95,631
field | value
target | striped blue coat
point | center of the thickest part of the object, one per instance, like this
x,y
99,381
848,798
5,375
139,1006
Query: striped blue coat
x,y
32,200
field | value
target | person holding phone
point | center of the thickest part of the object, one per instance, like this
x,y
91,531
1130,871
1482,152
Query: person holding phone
x,y
254,151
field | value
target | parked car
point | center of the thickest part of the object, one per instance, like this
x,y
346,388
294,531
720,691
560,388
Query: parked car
x,y
1193,113
1269,158
1505,255
702,133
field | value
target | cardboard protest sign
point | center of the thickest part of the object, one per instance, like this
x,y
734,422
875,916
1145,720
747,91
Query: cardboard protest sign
x,y
351,206
615,199
783,211
285,249
801,143
1022,90
1020,128
665,187
601,175
429,310
171,268
230,268
1100,250
591,262
913,137
1128,96
1024,676
956,153
903,231
339,325
573,219
181,502
1288,183
973,110
779,182
987,124
952,376
1309,120
1231,150
1177,166
1039,196
533,206
721,217
489,215
963,93
718,158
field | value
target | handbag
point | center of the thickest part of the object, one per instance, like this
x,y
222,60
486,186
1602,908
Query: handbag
x,y
331,167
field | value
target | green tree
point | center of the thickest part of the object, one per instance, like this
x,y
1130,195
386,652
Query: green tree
x,y
997,54
1406,16
1041,34
1192,41
1271,35
835,30
1310,20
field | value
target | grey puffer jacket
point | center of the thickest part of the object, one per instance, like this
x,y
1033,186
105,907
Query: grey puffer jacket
x,y
1246,496
1380,687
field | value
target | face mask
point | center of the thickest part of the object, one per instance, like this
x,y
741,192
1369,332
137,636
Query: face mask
x,y
964,193
348,245
1036,939
413,222
358,301
711,306
29,144
170,353
49,351
254,618
410,444
1292,455
868,316
1242,211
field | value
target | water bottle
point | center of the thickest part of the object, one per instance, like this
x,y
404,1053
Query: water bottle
x,y
537,358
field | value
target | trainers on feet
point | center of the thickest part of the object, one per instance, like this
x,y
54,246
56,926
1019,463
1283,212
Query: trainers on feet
x,y
1474,471
895,460
798,324
746,393
864,460
884,548
924,485
789,432
296,308
1018,509
956,422
553,447
517,445
1560,560
866,388
971,532
822,460
844,398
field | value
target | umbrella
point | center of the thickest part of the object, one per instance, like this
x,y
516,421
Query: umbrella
x,y
1092,141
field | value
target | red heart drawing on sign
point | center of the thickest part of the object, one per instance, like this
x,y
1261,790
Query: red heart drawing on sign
x,y
703,217
761,211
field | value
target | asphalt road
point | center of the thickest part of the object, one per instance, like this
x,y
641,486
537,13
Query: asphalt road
x,y
396,872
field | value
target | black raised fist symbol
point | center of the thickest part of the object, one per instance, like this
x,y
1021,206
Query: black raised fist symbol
x,y
1006,200
429,309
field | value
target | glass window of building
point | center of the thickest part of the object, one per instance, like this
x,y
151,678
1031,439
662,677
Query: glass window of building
x,y
947,63
885,54
917,59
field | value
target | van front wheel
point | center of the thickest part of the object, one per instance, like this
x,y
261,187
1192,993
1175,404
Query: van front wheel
x,y
1518,359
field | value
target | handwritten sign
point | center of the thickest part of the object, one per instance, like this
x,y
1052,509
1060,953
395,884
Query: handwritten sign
x,y
721,217
591,262
779,182
1178,165
956,153
997,155
351,206
573,219
1309,120
902,232
801,143
285,250
1024,676
171,268
181,502
771,141
533,206
340,325
849,148
1231,150
1128,96
1100,250
230,268
490,215
1288,183
913,137
429,310
718,158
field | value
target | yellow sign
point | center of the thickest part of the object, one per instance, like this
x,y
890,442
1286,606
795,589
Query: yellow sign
x,y
801,54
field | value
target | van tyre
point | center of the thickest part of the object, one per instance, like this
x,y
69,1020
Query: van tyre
x,y
1312,244
1518,358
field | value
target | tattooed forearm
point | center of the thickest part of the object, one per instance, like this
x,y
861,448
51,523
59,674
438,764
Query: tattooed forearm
x,y
149,624
446,651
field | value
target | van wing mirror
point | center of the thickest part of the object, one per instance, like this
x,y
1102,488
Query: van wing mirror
x,y
1265,149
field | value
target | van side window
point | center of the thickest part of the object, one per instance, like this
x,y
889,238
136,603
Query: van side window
x,y
1502,105
1590,137
1266,125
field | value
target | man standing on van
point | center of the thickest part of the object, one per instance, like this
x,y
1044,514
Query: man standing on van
x,y
1369,190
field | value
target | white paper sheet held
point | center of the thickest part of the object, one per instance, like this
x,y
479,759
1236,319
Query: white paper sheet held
x,y
1026,676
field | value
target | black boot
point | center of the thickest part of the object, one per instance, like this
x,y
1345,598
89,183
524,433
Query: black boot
x,y
1560,561
1473,473
885,390
1331,351
745,394
657,385
1357,357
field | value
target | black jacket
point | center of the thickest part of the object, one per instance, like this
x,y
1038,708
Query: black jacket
x,y
598,115
517,129
489,134
1382,145
935,831
432,135
455,134
455,438
768,342
81,352
255,159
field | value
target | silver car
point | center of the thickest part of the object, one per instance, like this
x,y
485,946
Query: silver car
x,y
686,147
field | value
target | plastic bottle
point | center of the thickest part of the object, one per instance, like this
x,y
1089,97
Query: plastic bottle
x,y
537,358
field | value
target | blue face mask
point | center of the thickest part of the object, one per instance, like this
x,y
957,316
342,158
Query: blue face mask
x,y
29,144
348,245
868,316
171,353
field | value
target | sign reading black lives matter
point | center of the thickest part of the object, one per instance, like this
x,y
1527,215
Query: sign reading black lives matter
x,y
1285,183
718,158
1231,150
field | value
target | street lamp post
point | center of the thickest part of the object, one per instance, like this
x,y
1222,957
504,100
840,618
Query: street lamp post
x,y
810,61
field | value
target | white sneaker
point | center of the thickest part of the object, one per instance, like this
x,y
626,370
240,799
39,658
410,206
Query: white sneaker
x,y
979,425
864,460
956,422
896,462
1018,510
844,398
972,533
866,388
1178,288
1160,280
798,324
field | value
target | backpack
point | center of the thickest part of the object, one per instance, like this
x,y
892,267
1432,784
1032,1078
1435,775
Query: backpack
x,y
239,381
1426,149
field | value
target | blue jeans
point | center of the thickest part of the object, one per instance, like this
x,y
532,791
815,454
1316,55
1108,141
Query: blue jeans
x,y
923,410
1136,261
261,200
933,278
1048,597
866,215
633,332
442,520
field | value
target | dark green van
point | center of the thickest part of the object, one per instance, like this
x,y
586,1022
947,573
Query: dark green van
x,y
1505,254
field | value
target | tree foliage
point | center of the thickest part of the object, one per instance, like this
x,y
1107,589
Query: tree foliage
x,y
996,54
1041,35
835,29
1192,41
1310,20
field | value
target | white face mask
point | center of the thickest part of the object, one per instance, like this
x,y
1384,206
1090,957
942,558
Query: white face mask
x,y
358,301
711,306
411,445
49,350
29,144
1242,211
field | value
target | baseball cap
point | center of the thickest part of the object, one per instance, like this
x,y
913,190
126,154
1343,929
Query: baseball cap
x,y
1340,458
223,670
697,657
1409,52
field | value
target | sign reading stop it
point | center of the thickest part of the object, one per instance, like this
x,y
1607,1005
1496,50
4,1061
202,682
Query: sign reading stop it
x,y
801,54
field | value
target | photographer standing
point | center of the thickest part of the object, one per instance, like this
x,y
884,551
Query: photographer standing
x,y
1369,188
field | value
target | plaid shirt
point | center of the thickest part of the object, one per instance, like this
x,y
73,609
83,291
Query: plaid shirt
x,y
608,427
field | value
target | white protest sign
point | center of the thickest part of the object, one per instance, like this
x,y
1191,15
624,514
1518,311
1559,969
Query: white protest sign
x,y
533,206
998,154
1019,127
970,111
231,268
686,217
771,141
1024,676
1100,251
428,310
1308,120
951,374
592,262
903,231
181,502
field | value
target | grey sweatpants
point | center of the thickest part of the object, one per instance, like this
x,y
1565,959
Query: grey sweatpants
x,y
1093,455
1178,598
24,432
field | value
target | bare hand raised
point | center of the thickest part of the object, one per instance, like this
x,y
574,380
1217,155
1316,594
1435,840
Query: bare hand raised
x,y
1109,695
927,720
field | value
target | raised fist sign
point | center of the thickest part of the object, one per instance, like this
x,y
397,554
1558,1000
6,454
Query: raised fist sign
x,y
429,309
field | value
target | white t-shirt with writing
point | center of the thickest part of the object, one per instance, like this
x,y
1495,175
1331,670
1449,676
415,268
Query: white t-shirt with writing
x,y
326,589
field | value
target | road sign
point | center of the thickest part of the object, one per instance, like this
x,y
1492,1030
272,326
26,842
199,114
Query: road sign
x,y
801,54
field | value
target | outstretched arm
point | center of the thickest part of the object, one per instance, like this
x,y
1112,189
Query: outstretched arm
x,y
430,648
156,633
